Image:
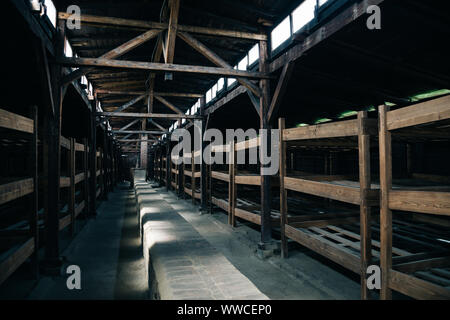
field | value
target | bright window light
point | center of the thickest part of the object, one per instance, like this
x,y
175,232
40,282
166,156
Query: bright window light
x,y
321,2
220,84
281,33
68,49
208,96
214,91
183,120
303,14
230,81
242,65
253,54
51,12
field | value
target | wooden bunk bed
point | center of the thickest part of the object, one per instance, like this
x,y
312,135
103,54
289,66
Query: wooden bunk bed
x,y
75,178
192,172
236,206
314,231
99,174
21,240
173,174
425,276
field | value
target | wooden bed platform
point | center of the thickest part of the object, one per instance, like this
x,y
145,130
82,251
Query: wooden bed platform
x,y
359,192
428,277
19,244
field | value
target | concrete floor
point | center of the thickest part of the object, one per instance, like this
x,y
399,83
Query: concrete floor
x,y
108,252
300,277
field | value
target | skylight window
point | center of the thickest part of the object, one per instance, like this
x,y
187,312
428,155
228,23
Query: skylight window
x,y
322,2
281,33
242,65
68,49
230,81
220,84
214,91
253,54
303,14
208,95
51,12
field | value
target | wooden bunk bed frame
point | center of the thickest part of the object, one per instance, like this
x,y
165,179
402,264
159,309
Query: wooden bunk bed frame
x,y
73,180
234,179
419,118
299,229
194,175
24,243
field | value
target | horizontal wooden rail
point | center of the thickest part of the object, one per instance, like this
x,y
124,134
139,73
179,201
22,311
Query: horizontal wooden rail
x,y
12,121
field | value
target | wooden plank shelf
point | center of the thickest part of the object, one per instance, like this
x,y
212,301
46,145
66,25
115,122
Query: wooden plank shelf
x,y
10,191
413,278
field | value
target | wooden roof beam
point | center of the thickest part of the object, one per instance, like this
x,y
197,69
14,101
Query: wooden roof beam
x,y
115,53
146,115
162,67
172,30
130,103
214,58
145,25
161,94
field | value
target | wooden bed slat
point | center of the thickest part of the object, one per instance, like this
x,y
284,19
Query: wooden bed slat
x,y
420,201
16,122
13,190
421,113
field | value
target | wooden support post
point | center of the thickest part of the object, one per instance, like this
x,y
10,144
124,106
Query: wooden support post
x,y
72,186
193,177
52,164
210,169
86,175
266,232
105,166
144,146
34,207
168,165
385,212
181,168
365,210
283,191
93,166
160,166
203,167
232,185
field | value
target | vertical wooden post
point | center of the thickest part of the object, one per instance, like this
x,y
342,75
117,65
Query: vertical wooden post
x,y
34,217
266,232
168,183
203,167
144,146
231,183
93,165
210,189
105,166
86,175
365,210
72,185
385,212
193,184
52,160
283,192
160,166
